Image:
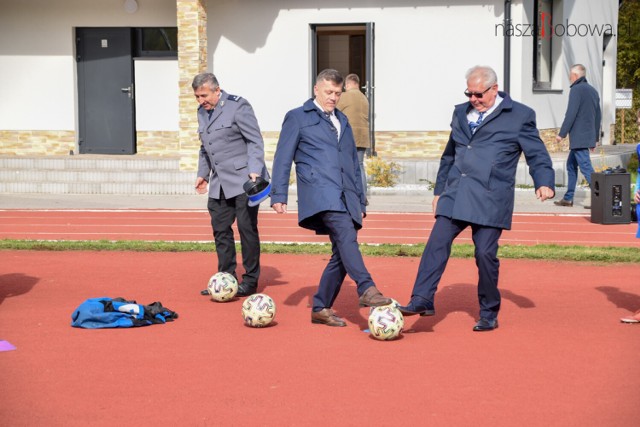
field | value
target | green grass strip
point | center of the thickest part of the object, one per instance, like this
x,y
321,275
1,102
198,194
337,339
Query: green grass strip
x,y
600,254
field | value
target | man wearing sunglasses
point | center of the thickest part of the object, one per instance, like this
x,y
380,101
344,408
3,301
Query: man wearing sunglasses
x,y
475,188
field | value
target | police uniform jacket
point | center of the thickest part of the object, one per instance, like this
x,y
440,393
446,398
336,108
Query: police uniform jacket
x,y
583,116
231,146
327,169
476,178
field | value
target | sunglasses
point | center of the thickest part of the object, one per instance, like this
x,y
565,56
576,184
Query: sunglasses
x,y
476,94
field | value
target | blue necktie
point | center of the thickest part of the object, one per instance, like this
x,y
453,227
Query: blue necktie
x,y
473,126
333,128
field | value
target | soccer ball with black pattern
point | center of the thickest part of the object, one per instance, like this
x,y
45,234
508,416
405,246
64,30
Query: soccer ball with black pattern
x,y
386,322
222,286
258,310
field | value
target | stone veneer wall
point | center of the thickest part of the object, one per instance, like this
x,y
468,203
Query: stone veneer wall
x,y
158,143
192,60
410,145
429,144
37,142
416,145
548,136
396,145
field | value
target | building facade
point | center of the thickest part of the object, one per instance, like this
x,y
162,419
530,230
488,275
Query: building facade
x,y
113,76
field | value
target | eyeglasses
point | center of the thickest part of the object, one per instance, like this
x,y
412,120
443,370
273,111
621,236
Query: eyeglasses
x,y
476,94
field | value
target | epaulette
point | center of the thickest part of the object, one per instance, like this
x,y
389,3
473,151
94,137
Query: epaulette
x,y
234,98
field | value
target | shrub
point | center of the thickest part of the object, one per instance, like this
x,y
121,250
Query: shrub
x,y
382,173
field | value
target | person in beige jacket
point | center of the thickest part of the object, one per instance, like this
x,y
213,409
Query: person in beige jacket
x,y
355,106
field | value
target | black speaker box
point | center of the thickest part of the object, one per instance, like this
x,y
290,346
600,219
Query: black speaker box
x,y
610,198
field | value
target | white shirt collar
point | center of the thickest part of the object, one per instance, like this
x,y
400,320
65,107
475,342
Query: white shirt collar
x,y
473,114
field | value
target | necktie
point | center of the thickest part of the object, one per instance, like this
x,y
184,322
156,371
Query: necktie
x,y
473,126
333,128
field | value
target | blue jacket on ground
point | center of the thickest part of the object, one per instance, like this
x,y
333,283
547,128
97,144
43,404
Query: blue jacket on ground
x,y
105,312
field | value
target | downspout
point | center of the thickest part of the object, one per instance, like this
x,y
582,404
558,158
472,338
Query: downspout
x,y
507,46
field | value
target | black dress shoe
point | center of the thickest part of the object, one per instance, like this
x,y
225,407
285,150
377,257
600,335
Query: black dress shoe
x,y
485,324
244,290
418,306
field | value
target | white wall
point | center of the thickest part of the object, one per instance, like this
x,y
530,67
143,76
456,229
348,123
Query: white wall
x,y
157,95
420,54
578,17
37,65
422,50
261,51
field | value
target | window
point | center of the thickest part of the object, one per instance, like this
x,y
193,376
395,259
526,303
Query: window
x,y
156,42
548,34
543,44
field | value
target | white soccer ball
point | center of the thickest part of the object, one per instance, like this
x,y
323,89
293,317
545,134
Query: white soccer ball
x,y
386,322
258,310
222,286
393,303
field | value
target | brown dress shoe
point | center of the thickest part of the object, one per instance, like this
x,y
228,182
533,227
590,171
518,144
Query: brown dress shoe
x,y
328,317
373,298
563,202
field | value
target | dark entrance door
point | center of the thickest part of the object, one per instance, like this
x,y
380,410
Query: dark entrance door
x,y
348,48
105,91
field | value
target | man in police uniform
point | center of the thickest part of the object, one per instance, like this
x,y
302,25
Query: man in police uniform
x,y
231,152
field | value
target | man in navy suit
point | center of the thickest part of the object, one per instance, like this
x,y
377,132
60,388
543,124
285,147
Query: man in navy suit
x,y
475,188
582,123
319,139
231,152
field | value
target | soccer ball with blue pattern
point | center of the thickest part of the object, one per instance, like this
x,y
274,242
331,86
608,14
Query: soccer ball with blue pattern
x,y
222,286
386,322
258,310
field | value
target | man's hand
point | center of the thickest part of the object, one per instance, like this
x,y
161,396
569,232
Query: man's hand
x,y
434,203
543,193
280,208
559,138
201,185
636,197
253,176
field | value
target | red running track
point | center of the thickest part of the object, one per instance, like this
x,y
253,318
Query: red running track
x,y
559,358
193,225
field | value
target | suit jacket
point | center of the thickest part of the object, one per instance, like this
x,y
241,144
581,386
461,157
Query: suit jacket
x,y
583,116
476,178
231,146
355,106
327,169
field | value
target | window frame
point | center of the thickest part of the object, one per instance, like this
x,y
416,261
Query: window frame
x,y
138,45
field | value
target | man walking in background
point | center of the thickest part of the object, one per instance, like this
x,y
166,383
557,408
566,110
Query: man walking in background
x,y
355,106
582,123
